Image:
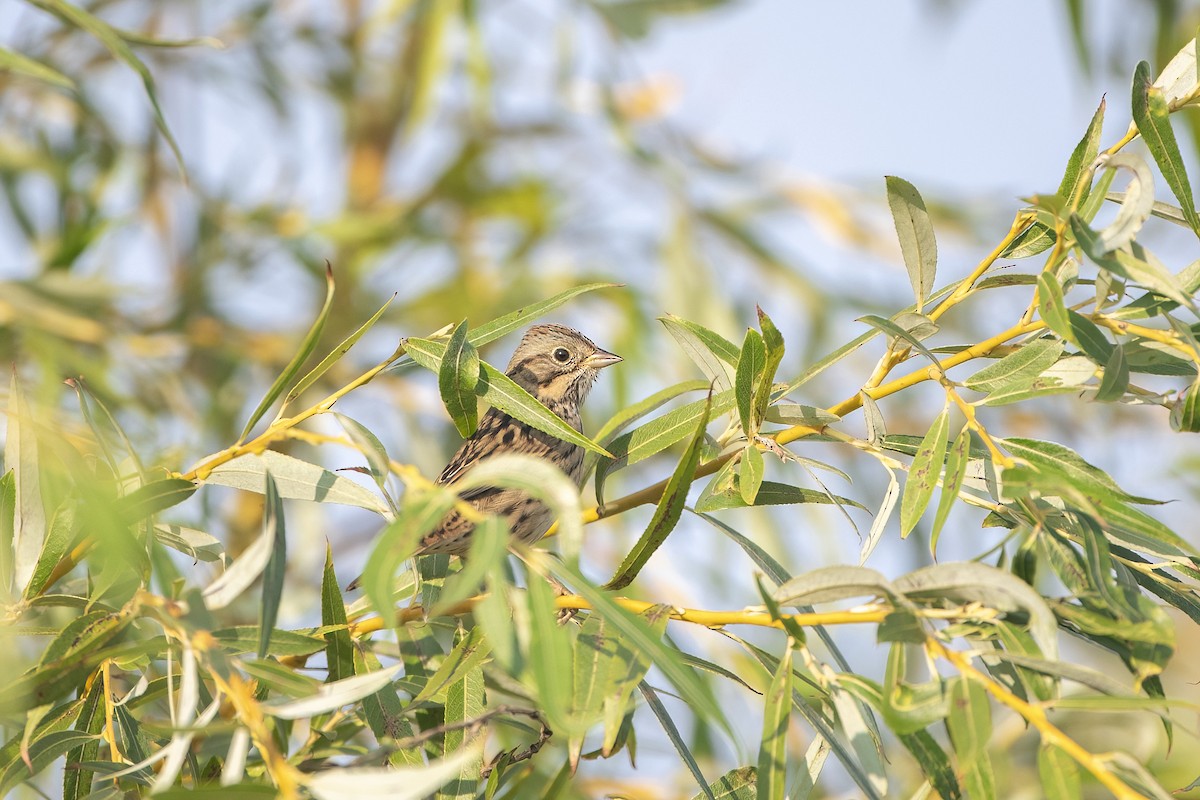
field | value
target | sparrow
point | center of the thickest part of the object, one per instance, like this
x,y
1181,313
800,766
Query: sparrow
x,y
557,365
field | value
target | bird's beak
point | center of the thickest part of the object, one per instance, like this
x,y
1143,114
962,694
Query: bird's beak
x,y
601,359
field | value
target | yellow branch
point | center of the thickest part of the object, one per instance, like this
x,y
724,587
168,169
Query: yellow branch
x,y
1169,338
1035,715
709,619
279,428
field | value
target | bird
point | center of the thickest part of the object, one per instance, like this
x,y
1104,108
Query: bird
x,y
557,365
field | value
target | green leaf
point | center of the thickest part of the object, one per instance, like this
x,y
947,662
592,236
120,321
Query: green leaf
x,y
505,394
8,511
274,572
458,375
908,708
750,367
773,341
43,752
1062,459
1151,115
502,326
1090,338
666,512
798,414
29,512
924,472
676,739
385,712
715,355
770,493
1052,307
970,726
489,543
549,674
293,368
1185,412
645,639
62,535
750,473
1083,155
934,763
115,44
77,783
956,472
1059,773
827,584
1116,377
1037,238
660,433
1018,368
969,582
853,721
607,670
1139,201
772,753
737,784
917,242
464,702
892,329
150,498
339,649
369,445
1134,263
295,480
244,639
399,540
468,654
11,61
335,355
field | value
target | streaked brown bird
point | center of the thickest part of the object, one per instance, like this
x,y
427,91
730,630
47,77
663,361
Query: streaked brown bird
x,y
558,366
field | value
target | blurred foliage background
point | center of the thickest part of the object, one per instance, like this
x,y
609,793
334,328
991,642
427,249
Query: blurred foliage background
x,y
177,175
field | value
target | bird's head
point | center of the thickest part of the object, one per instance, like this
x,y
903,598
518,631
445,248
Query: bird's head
x,y
557,364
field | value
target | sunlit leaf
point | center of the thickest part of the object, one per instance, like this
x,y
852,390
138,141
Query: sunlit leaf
x,y
307,346
458,374
917,243
666,512
772,752
1151,114
924,473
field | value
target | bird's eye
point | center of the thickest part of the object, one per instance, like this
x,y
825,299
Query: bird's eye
x,y
561,355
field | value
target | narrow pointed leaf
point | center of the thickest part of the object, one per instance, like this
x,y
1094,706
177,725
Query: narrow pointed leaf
x,y
750,473
502,326
1017,368
712,353
1152,116
750,367
772,752
666,513
273,573
339,649
293,368
924,472
335,355
458,375
1116,377
956,472
917,242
